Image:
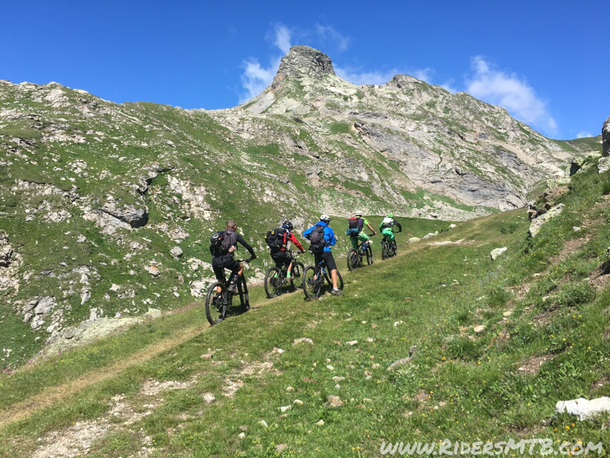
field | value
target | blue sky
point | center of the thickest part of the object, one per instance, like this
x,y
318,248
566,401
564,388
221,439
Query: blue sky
x,y
546,62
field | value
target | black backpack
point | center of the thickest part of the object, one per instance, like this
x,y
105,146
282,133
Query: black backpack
x,y
275,238
316,238
221,241
216,242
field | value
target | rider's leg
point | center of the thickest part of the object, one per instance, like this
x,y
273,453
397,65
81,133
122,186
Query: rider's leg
x,y
219,271
354,241
333,276
363,237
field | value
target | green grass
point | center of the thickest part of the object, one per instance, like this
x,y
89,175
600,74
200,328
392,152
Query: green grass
x,y
429,296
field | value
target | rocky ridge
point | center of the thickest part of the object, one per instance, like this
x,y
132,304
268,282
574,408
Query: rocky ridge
x,y
106,209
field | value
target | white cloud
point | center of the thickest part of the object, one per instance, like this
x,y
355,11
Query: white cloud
x,y
256,78
448,86
496,87
355,76
328,31
282,38
584,134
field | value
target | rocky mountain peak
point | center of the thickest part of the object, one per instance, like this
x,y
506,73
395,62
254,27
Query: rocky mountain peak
x,y
303,61
401,81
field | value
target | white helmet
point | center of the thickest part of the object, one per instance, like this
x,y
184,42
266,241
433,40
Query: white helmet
x,y
358,213
325,218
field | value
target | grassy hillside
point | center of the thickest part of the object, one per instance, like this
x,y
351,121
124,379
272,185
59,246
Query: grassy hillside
x,y
498,344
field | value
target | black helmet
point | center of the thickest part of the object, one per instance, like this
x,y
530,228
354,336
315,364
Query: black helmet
x,y
288,226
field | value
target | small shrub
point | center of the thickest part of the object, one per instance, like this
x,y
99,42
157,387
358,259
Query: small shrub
x,y
606,188
463,348
575,294
497,297
508,228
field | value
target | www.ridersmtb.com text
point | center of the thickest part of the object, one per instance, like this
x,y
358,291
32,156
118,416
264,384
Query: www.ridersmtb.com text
x,y
531,447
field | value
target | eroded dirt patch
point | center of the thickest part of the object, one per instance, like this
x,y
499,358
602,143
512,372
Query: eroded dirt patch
x,y
532,365
78,439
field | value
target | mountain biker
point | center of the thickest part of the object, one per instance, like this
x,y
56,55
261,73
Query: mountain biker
x,y
359,224
223,256
281,256
386,227
325,254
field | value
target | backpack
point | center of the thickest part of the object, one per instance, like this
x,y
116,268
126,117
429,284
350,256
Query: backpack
x,y
229,240
387,222
355,226
316,238
275,238
221,241
216,242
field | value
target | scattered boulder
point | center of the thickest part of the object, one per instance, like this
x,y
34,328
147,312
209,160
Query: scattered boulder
x,y
413,240
306,340
209,398
497,252
153,271
6,251
603,165
606,138
334,401
176,252
584,408
539,221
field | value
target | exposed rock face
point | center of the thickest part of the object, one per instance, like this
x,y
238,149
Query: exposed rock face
x,y
303,61
6,251
539,221
606,138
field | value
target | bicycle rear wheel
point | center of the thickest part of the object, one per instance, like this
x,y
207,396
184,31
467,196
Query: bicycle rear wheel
x,y
273,282
296,280
353,260
384,250
394,248
216,304
311,286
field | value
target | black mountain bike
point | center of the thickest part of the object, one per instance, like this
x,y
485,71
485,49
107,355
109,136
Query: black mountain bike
x,y
388,249
313,280
355,258
217,304
276,278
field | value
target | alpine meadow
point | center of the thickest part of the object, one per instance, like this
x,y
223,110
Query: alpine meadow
x,y
494,310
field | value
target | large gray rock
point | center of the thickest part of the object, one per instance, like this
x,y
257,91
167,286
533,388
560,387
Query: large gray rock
x,y
603,165
6,251
606,138
130,214
539,221
303,61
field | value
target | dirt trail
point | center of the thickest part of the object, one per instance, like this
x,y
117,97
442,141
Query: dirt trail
x,y
52,395
55,394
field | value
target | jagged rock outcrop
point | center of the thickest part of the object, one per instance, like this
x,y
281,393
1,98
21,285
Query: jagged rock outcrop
x,y
303,61
6,250
539,221
606,138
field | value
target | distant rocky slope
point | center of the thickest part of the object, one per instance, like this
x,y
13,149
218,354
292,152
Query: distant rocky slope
x,y
106,209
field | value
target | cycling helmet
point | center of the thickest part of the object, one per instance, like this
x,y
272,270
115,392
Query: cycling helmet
x,y
287,225
325,218
390,215
358,213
